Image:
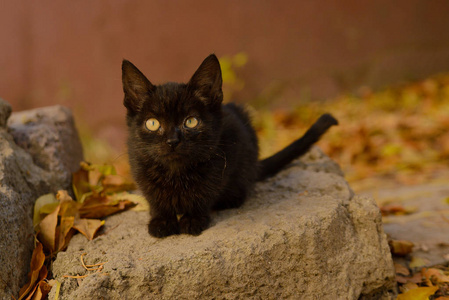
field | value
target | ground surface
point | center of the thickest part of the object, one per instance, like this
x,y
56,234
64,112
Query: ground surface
x,y
426,221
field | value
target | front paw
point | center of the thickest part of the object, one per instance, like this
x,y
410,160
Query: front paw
x,y
160,227
193,225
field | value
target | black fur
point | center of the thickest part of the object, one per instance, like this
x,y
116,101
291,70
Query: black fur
x,y
189,171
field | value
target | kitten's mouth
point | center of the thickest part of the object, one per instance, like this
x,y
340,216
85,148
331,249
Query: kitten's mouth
x,y
173,155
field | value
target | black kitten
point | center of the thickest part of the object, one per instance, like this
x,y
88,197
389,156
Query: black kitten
x,y
190,154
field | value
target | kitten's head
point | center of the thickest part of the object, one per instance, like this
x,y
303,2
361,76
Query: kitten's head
x,y
173,124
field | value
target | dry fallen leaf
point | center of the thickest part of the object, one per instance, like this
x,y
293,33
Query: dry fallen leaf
x,y
434,276
43,206
80,182
417,262
421,293
88,227
400,269
47,230
400,247
416,278
392,209
37,271
100,207
408,286
116,183
68,212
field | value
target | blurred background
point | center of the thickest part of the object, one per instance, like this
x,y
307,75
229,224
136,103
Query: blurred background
x,y
378,66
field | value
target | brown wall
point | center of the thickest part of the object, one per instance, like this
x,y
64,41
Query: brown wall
x,y
69,52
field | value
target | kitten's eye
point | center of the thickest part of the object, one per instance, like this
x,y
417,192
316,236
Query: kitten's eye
x,y
191,122
152,124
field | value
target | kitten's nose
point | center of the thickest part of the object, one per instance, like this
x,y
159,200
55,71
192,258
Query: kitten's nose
x,y
173,141
173,138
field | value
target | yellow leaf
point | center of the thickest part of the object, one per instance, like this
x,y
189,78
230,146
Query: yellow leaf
x,y
106,169
44,205
418,262
52,283
446,200
48,208
421,293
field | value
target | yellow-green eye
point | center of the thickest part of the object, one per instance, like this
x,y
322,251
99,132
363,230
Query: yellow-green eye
x,y
191,122
152,124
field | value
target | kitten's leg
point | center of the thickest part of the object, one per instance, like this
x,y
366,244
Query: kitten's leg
x,y
229,202
231,198
194,224
162,225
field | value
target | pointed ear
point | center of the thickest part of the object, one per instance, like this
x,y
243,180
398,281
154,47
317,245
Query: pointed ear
x,y
135,86
207,82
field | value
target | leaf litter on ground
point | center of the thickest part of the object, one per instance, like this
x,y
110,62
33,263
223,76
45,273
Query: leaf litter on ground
x,y
399,133
99,192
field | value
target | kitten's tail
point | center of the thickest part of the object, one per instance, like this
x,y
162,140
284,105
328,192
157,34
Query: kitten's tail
x,y
271,165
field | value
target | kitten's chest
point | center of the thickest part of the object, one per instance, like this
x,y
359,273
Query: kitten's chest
x,y
183,191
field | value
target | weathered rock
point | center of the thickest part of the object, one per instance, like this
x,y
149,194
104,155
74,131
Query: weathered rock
x,y
302,235
21,183
50,136
5,112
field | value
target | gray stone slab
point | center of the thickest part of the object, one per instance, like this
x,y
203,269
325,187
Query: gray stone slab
x,y
303,234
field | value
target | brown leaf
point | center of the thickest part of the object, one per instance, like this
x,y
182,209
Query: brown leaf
x,y
99,207
116,183
88,227
36,266
37,294
80,182
408,286
44,288
63,196
416,278
433,275
401,279
400,247
69,211
400,269
47,229
393,209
